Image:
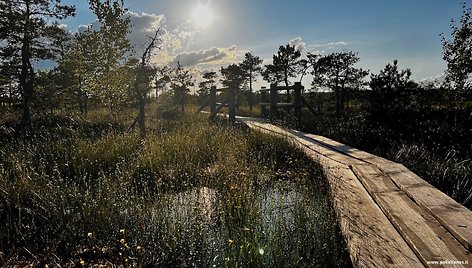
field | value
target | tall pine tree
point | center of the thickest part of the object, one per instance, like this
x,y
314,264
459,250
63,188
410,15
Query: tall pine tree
x,y
26,35
251,65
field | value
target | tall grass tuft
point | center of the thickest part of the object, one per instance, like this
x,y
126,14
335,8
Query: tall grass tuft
x,y
192,194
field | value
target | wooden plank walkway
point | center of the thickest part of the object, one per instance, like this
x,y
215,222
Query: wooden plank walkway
x,y
388,215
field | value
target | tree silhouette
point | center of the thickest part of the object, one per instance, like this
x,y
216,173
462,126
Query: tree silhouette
x,y
285,65
251,65
209,81
309,62
144,75
233,75
337,72
25,33
389,88
162,79
182,79
458,55
9,74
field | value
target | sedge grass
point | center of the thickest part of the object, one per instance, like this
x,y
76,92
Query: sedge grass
x,y
192,194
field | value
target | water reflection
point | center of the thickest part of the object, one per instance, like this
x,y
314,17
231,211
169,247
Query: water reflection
x,y
288,222
278,204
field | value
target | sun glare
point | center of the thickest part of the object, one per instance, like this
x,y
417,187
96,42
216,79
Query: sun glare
x,y
202,15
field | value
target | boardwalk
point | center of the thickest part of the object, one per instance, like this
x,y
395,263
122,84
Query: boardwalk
x,y
388,215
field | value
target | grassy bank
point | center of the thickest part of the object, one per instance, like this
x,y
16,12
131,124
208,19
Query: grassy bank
x,y
192,194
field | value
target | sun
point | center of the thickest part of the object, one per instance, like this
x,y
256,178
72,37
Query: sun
x,y
202,15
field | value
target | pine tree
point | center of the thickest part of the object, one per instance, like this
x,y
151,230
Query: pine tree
x,y
182,79
458,55
251,65
285,65
209,81
26,34
337,72
389,87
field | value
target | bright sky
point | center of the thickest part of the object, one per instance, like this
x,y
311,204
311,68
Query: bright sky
x,y
380,30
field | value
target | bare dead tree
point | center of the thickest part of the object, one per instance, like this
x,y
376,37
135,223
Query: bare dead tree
x,y
144,74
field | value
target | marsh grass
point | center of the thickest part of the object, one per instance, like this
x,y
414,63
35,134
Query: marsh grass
x,y
193,194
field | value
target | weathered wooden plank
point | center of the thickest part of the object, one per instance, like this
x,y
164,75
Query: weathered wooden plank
x,y
351,151
425,235
455,217
371,238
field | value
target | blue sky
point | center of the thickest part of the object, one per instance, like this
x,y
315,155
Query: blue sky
x,y
380,31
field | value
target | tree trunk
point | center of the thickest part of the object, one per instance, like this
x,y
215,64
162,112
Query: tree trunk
x,y
286,84
141,115
337,103
250,91
27,86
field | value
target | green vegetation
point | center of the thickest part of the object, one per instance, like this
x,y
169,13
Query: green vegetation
x,y
80,185
190,194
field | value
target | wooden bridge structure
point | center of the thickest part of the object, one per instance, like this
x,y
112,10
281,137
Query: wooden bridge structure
x,y
389,216
274,106
229,101
272,102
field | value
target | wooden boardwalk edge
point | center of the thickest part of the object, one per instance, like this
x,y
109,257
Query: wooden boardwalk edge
x,y
456,218
388,215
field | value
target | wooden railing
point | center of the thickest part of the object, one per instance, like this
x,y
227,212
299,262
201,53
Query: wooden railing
x,y
274,106
216,107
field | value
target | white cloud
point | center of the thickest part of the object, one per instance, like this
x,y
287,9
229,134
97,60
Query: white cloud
x,y
142,25
176,43
212,56
330,45
179,39
298,44
84,27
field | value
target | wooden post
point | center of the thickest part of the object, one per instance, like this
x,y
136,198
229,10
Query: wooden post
x,y
232,103
212,101
273,101
298,101
263,99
